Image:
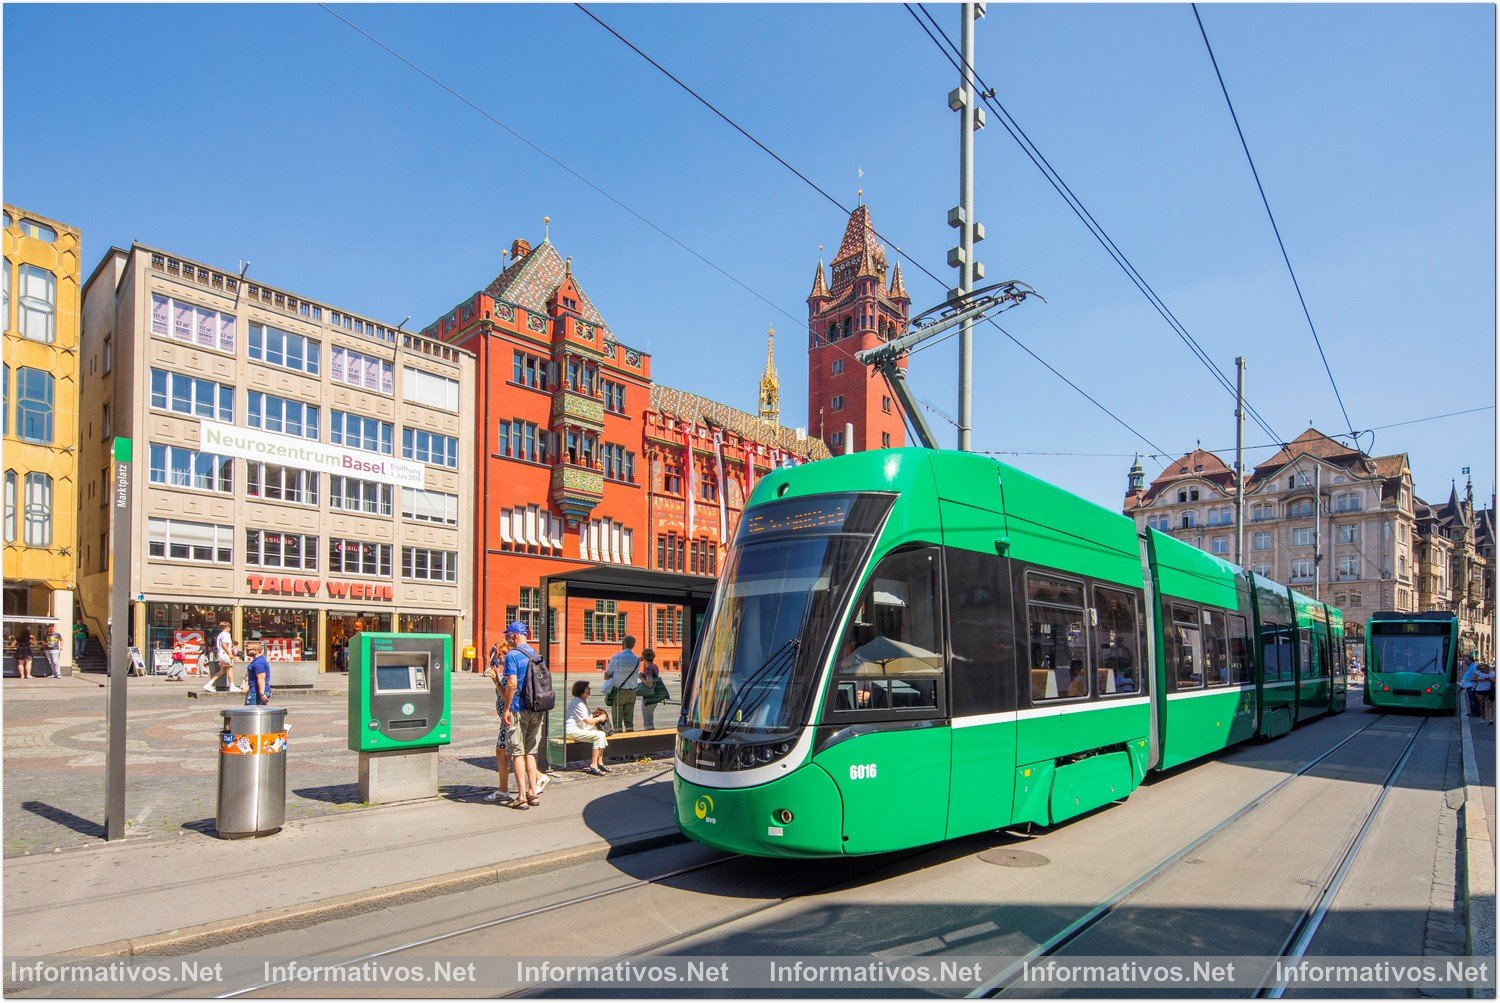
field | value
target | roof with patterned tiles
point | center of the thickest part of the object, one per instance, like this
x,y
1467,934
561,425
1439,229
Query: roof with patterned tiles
x,y
530,282
690,407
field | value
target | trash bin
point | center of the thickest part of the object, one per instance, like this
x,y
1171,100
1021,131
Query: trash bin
x,y
252,772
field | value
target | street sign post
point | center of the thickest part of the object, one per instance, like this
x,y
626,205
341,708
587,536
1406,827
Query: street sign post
x,y
119,643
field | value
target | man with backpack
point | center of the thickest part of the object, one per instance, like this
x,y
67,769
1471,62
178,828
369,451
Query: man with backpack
x,y
527,698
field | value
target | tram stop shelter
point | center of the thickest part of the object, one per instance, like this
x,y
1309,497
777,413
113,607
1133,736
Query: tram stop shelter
x,y
623,584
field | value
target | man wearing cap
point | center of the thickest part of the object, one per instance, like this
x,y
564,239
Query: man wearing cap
x,y
523,725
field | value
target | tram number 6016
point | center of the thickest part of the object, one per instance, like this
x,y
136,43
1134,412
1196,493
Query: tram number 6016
x,y
862,771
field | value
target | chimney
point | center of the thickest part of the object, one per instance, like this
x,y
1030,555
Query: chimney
x,y
519,249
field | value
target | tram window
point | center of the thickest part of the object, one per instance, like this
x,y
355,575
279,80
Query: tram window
x,y
1325,657
889,657
1241,653
1185,645
1276,644
1056,641
982,633
1216,647
1304,639
1118,642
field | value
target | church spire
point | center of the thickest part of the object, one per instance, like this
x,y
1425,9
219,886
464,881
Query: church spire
x,y
770,384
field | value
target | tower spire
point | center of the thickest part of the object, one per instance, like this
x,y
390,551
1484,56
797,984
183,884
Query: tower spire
x,y
770,383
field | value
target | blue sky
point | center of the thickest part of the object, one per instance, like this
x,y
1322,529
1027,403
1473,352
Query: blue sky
x,y
278,134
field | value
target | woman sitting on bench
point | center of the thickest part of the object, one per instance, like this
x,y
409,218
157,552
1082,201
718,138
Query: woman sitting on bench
x,y
583,725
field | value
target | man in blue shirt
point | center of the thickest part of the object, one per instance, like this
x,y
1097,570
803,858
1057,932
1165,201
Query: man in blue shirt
x,y
258,685
523,725
1466,681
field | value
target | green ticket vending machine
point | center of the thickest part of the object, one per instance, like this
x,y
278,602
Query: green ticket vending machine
x,y
399,712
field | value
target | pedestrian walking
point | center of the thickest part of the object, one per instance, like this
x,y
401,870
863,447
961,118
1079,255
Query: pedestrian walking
x,y
178,670
54,652
224,656
1484,685
584,725
620,682
1466,685
23,653
501,794
257,675
653,691
524,739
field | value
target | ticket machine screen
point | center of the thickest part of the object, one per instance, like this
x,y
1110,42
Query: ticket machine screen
x,y
401,672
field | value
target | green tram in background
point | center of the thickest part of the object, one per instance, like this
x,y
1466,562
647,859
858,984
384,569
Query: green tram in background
x,y
1411,660
910,645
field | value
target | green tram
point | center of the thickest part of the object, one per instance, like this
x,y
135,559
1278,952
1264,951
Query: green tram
x,y
1411,660
911,645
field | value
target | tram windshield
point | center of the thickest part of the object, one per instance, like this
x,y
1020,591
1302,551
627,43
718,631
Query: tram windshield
x,y
1424,653
784,581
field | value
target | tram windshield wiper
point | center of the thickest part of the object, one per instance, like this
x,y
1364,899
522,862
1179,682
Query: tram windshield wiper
x,y
777,657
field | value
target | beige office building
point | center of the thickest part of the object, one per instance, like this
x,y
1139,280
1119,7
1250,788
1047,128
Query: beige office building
x,y
1382,547
299,470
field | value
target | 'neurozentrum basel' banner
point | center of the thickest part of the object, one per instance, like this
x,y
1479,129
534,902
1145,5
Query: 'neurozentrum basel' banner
x,y
253,444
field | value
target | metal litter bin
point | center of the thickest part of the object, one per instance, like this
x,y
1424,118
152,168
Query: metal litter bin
x,y
252,772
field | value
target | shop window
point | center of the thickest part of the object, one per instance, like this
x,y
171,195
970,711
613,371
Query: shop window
x,y
289,634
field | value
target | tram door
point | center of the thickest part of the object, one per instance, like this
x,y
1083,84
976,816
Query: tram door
x,y
887,704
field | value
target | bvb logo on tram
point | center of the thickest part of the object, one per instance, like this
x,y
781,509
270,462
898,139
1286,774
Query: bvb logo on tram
x,y
702,807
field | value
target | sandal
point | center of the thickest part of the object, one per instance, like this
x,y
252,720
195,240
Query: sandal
x,y
518,804
533,801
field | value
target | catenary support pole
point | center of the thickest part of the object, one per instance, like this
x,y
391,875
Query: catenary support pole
x,y
966,223
1239,460
1317,531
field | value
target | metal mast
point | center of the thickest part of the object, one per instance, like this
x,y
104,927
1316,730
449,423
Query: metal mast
x,y
971,118
1239,461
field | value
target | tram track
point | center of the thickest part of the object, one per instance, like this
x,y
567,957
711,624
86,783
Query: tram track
x,y
1095,917
490,924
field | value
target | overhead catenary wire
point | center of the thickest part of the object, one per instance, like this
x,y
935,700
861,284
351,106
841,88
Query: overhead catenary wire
x,y
946,47
880,236
1244,145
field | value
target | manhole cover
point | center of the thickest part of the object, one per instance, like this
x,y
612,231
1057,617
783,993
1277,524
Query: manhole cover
x,y
1006,857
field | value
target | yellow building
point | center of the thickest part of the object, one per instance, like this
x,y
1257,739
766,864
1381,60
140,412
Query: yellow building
x,y
41,430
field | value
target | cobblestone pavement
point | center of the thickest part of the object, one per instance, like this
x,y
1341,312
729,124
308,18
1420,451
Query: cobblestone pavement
x,y
54,747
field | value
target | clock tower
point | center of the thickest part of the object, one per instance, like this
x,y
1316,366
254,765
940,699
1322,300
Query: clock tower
x,y
860,308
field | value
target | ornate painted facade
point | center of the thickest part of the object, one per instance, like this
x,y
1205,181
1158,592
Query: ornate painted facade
x,y
585,460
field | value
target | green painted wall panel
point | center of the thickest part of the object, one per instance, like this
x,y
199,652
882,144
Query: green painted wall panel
x,y
895,787
982,792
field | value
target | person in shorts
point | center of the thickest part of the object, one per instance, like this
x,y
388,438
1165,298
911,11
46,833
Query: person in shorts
x,y
224,659
495,672
524,740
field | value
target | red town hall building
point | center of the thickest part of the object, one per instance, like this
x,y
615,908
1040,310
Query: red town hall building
x,y
857,311
583,460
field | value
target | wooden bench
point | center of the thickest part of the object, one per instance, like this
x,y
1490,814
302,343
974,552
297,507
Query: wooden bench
x,y
622,745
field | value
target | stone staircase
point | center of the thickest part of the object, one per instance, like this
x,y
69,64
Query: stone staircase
x,y
91,659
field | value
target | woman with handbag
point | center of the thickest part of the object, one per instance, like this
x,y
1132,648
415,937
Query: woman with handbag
x,y
584,725
653,690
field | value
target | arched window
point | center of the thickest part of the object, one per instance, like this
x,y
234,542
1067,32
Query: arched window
x,y
34,405
38,304
846,326
38,512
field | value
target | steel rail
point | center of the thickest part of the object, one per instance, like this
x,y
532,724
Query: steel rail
x,y
501,921
1300,937
997,985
